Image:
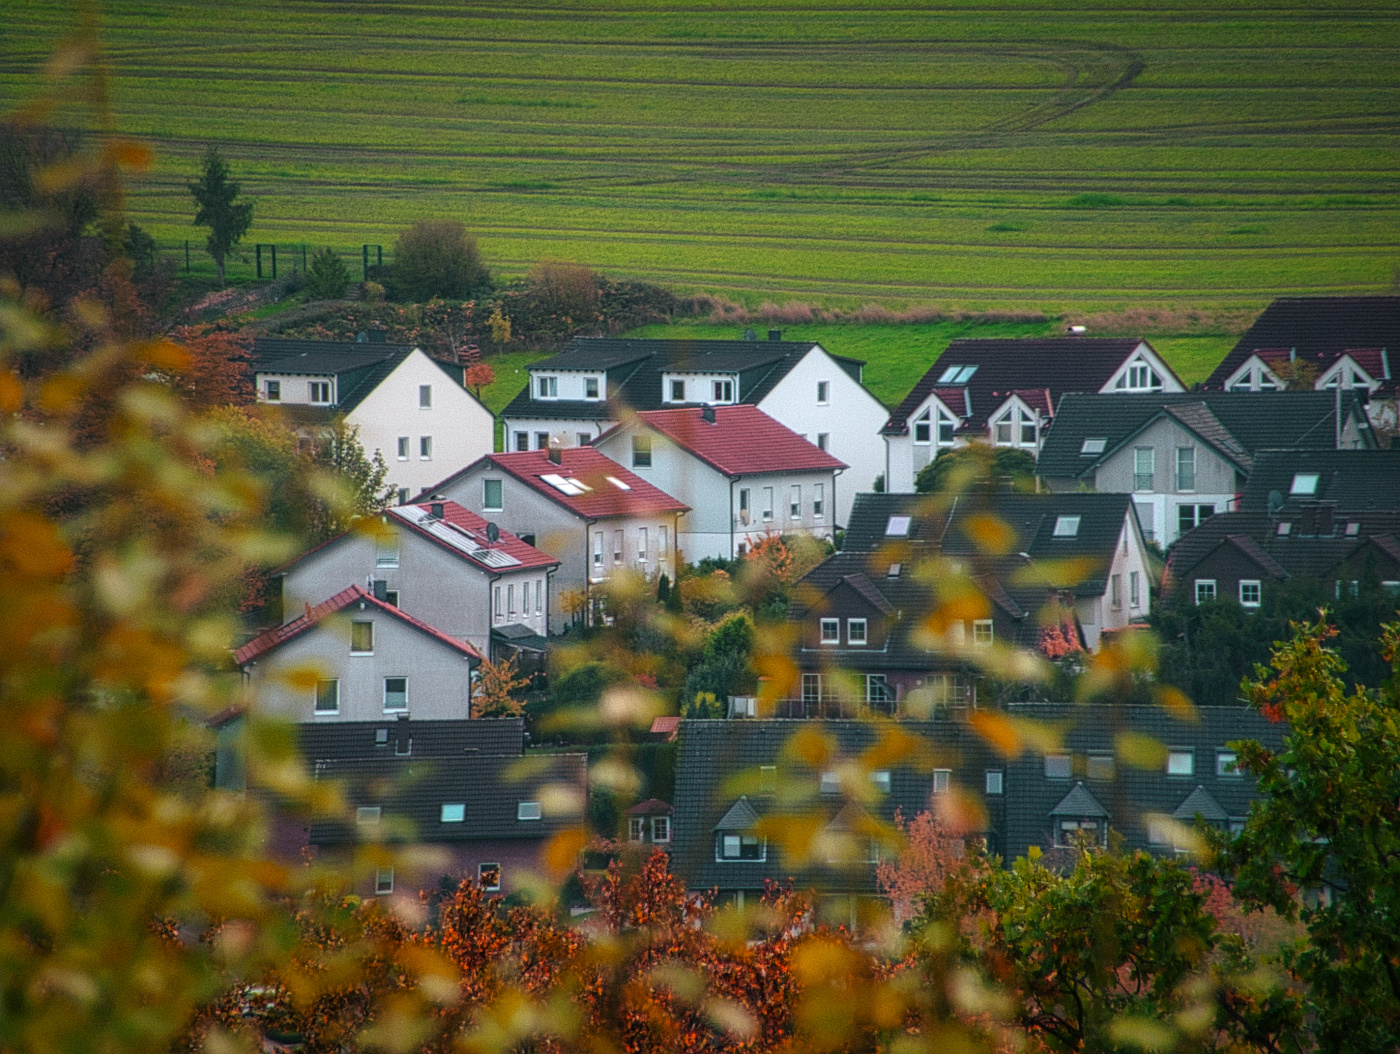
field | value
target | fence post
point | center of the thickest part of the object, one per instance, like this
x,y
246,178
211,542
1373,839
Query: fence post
x,y
187,256
303,258
274,261
257,253
364,263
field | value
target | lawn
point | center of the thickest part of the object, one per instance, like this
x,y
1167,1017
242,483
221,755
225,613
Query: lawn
x,y
1030,155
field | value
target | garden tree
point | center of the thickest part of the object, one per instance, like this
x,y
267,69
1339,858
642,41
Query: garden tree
x,y
500,327
227,218
933,850
437,258
479,375
360,488
217,372
567,289
1322,846
327,277
1117,952
977,464
495,693
722,670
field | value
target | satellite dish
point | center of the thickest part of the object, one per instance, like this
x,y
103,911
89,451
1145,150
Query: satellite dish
x,y
493,533
1275,500
749,334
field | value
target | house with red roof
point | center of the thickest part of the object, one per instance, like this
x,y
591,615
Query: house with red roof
x,y
441,563
369,659
1005,392
589,513
743,475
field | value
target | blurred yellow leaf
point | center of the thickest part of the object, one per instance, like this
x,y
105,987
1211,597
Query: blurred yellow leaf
x,y
810,745
560,853
991,534
1175,702
1140,750
998,730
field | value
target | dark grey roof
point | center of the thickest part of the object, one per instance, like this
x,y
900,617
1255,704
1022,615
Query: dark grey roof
x,y
1056,364
1079,802
1301,553
1319,328
411,792
635,367
1351,480
358,368
740,817
351,740
1239,424
1200,802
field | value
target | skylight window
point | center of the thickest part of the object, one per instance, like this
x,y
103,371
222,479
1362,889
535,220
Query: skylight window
x,y
1067,527
957,375
572,487
949,374
618,483
1304,483
1093,446
898,526
894,570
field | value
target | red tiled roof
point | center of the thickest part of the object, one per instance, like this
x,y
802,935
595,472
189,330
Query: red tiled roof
x,y
665,726
275,638
475,527
592,468
741,440
651,807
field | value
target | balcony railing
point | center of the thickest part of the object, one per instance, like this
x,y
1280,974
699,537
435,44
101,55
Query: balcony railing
x,y
932,702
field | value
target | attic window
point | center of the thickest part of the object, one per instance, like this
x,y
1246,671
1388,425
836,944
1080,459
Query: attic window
x,y
1304,483
1067,527
572,487
894,570
957,374
1285,528
527,810
1353,529
898,526
618,483
453,812
1093,446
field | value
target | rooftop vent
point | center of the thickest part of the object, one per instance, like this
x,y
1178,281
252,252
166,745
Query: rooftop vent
x,y
707,412
435,510
556,452
775,334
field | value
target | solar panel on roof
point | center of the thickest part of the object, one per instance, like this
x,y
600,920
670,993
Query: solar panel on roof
x,y
457,536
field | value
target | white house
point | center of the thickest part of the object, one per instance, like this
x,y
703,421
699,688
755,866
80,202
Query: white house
x,y
370,658
411,409
439,562
1005,392
591,514
586,389
743,474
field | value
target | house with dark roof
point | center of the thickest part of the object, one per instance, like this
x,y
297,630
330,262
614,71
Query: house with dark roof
x,y
370,659
1346,342
750,807
591,514
1186,456
414,411
1329,516
1012,555
742,474
1005,392
577,395
441,563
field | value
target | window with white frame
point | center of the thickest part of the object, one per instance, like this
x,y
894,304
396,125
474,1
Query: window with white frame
x,y
547,387
498,607
942,780
273,391
1250,591
823,392
1139,377
878,690
740,847
1205,590
383,881
636,828
982,632
823,440
831,631
1181,762
1115,591
767,503
1304,484
1227,763
425,448
386,550
811,688
1066,527
328,696
641,545
661,541
510,602
678,391
1185,468
320,391
724,391
617,547
590,388
425,396
1134,589
362,638
922,426
1093,446
403,448
660,828
453,812
946,427
488,876
541,440
1089,828
818,501
795,502
598,551
641,450
395,693
855,631
995,781
528,810
1144,467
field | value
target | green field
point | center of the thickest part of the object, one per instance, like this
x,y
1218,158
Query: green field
x,y
1040,155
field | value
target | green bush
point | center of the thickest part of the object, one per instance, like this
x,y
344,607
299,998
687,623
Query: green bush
x,y
327,277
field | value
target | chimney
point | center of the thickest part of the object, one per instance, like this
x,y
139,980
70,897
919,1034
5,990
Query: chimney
x,y
556,452
775,334
380,588
707,413
378,336
1324,520
361,338
435,510
403,740
1308,520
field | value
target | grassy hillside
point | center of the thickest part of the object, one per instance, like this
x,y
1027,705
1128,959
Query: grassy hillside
x,y
1039,155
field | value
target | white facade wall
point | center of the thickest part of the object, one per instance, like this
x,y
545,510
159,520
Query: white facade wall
x,y
905,458
700,388
459,427
851,417
563,431
578,385
297,389
438,678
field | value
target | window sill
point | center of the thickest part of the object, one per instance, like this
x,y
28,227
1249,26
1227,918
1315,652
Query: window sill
x,y
362,654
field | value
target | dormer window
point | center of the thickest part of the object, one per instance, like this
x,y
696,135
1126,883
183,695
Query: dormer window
x,y
921,428
1139,377
590,387
724,391
320,391
273,390
678,391
547,387
1016,427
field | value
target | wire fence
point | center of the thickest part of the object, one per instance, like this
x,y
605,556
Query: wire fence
x,y
254,261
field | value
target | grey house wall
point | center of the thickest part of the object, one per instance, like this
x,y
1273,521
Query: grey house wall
x,y
443,590
439,678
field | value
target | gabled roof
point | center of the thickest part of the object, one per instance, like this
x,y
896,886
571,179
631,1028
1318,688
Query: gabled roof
x,y
350,740
275,638
651,807
861,583
742,440
739,817
1351,480
635,369
612,489
489,787
1319,329
464,534
1250,548
1238,424
1056,365
358,368
1079,802
1200,801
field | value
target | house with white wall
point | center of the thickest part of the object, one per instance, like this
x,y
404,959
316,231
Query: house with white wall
x,y
443,564
743,475
412,410
588,388
371,659
1004,392
591,514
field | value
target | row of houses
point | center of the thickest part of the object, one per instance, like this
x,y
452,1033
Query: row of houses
x,y
640,456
